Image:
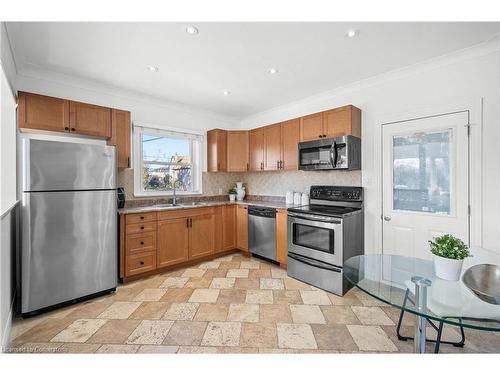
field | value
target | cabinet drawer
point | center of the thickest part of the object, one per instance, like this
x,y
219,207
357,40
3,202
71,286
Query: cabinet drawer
x,y
141,242
189,212
141,218
141,228
140,263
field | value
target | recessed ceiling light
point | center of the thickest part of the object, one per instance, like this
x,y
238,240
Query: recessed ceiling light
x,y
273,71
152,68
192,30
226,92
352,33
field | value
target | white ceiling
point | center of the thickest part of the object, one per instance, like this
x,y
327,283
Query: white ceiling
x,y
195,69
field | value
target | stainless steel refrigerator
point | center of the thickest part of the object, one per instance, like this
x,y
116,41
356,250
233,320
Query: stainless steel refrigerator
x,y
69,222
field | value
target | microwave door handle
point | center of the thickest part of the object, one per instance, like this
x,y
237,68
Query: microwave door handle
x,y
333,154
313,263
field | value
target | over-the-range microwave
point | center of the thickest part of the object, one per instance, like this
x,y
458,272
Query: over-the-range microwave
x,y
343,153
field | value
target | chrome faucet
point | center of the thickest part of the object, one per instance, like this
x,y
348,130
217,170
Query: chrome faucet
x,y
174,200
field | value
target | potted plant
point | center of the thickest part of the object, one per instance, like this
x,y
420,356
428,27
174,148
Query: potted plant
x,y
232,194
449,254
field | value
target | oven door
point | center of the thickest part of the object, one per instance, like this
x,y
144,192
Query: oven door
x,y
316,237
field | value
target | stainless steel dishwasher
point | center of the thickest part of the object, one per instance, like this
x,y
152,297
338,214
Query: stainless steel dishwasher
x,y
262,231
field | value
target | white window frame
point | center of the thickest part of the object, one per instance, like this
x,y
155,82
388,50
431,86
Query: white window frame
x,y
196,159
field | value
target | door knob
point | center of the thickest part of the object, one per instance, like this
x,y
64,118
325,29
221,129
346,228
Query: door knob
x,y
387,218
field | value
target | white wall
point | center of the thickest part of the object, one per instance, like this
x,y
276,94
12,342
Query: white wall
x,y
458,80
7,186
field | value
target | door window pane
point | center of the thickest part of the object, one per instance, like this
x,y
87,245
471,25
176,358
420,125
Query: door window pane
x,y
421,172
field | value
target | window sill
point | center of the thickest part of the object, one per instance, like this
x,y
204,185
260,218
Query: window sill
x,y
166,194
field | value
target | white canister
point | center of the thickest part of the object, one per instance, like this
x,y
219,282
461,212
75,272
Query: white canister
x,y
289,197
304,201
296,198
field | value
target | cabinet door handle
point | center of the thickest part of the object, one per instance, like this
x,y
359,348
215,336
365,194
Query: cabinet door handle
x,y
218,165
142,242
128,161
66,128
187,223
277,164
142,263
142,217
73,129
190,222
142,228
248,166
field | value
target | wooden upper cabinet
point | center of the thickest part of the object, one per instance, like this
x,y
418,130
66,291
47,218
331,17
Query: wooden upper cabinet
x,y
120,136
256,149
237,151
172,241
272,147
201,235
89,119
42,112
311,127
290,140
342,121
242,227
229,227
217,150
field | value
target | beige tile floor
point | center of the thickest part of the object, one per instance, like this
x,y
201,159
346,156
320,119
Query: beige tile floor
x,y
233,304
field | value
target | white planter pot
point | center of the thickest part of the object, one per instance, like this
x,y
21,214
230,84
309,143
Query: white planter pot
x,y
447,269
232,197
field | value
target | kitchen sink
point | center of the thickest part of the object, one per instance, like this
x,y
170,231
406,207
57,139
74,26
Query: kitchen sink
x,y
193,204
166,205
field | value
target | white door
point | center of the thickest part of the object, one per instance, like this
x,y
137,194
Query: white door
x,y
425,182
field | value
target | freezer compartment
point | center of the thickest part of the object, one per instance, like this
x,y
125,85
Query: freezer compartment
x,y
55,165
69,246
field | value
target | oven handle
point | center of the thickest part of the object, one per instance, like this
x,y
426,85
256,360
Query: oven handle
x,y
314,218
333,153
313,263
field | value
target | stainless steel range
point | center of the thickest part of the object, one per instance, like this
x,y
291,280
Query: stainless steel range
x,y
322,235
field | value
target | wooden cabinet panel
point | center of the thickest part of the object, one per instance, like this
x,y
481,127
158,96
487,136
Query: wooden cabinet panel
x,y
242,227
136,264
141,242
42,112
138,228
229,227
218,230
140,218
173,241
188,212
290,140
217,150
89,119
120,136
281,236
342,121
272,147
311,127
237,151
201,236
256,149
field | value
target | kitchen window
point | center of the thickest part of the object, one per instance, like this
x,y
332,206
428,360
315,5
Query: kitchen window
x,y
164,159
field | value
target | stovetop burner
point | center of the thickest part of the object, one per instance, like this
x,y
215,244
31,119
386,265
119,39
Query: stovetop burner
x,y
334,211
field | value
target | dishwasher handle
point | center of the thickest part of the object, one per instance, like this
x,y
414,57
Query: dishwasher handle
x,y
262,211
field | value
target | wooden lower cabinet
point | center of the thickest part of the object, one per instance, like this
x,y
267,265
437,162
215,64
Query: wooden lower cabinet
x,y
173,241
281,236
201,235
242,227
150,241
229,227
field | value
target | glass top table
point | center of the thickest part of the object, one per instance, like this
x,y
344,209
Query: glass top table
x,y
393,278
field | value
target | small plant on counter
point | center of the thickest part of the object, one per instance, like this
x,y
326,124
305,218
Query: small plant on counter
x,y
450,247
232,191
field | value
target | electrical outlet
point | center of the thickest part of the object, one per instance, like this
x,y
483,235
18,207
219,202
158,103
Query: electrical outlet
x,y
220,191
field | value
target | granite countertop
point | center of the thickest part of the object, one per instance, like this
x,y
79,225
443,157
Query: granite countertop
x,y
139,209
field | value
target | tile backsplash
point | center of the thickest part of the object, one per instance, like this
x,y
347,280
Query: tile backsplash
x,y
273,183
